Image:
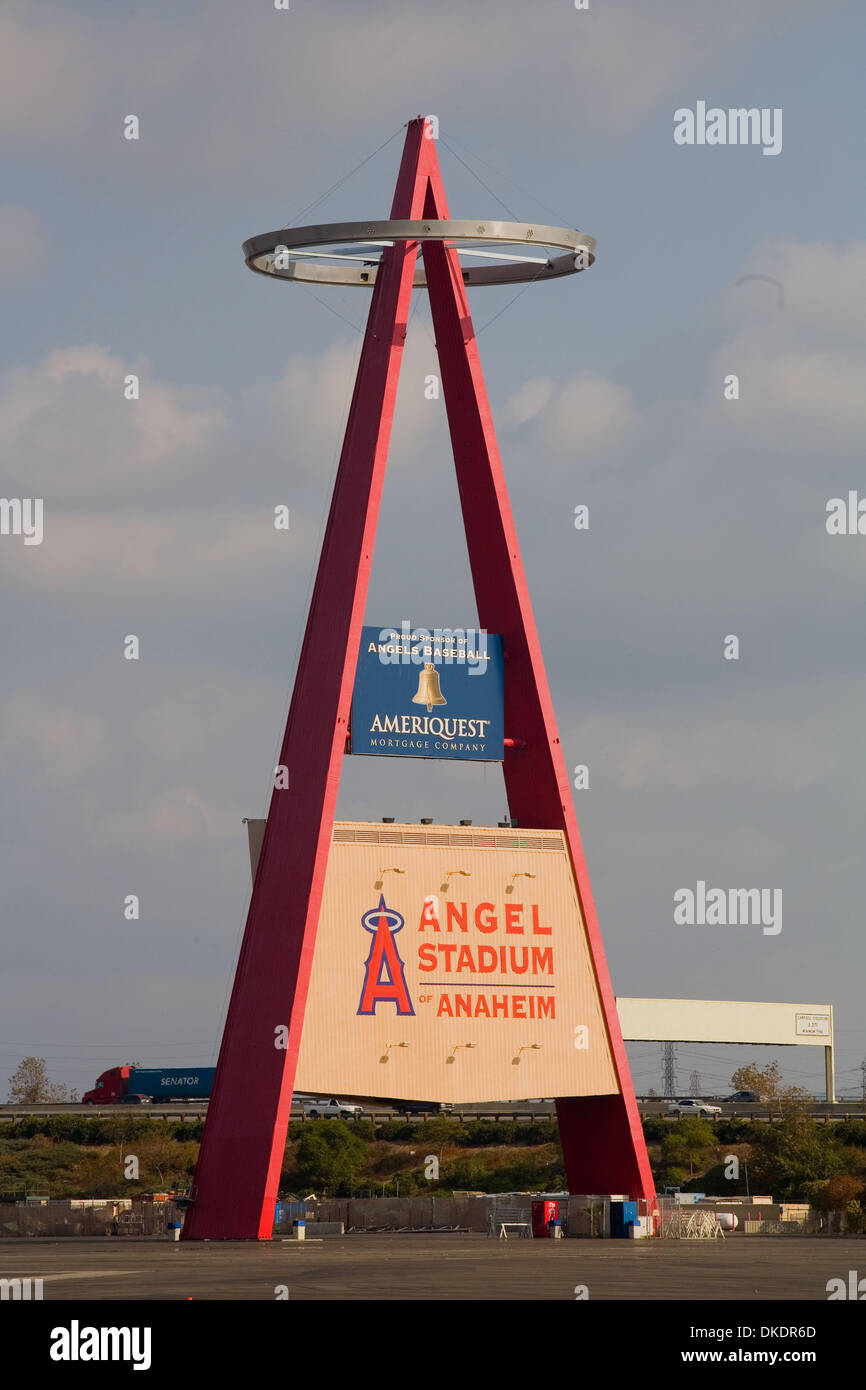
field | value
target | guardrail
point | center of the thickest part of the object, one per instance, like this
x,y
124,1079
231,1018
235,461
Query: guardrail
x,y
190,1112
656,1110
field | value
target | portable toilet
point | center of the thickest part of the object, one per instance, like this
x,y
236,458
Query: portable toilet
x,y
623,1214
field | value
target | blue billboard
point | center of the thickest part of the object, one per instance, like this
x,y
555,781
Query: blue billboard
x,y
428,693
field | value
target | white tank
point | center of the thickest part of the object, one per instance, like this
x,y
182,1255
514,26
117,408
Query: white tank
x,y
727,1220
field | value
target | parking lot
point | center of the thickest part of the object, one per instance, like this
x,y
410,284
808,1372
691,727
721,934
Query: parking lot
x,y
434,1267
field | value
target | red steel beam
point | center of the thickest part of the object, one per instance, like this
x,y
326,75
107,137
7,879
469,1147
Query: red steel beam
x,y
240,1160
602,1137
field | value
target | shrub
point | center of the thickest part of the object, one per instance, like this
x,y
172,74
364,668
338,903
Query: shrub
x,y
440,1130
400,1130
732,1130
795,1152
852,1132
409,1182
714,1183
525,1172
531,1132
329,1157
476,1134
655,1129
854,1217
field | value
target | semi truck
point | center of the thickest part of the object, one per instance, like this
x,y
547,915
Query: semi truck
x,y
124,1085
133,1085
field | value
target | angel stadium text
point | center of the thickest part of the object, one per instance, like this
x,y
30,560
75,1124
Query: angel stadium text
x,y
537,960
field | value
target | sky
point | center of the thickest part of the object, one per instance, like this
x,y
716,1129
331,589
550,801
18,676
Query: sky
x,y
707,515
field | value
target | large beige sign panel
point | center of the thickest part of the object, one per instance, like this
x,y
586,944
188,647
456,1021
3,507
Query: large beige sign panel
x,y
452,965
725,1021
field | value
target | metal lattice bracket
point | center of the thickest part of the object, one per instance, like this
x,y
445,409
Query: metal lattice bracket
x,y
316,255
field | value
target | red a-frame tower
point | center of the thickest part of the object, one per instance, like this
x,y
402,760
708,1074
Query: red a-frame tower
x,y
245,1132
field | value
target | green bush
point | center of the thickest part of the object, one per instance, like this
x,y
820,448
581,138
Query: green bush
x,y
654,1129
464,1174
531,1132
533,1172
732,1130
399,1131
329,1157
79,1130
388,1161
852,1132
795,1152
714,1183
690,1139
187,1132
855,1217
477,1134
90,1133
441,1130
410,1182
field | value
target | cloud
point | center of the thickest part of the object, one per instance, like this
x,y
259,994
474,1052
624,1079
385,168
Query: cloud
x,y
264,79
23,246
684,747
586,416
528,400
68,433
70,437
807,393
199,719
117,553
734,854
309,403
721,501
54,745
823,287
801,368
60,70
179,818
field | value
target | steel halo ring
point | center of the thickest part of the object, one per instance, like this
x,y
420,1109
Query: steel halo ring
x,y
578,250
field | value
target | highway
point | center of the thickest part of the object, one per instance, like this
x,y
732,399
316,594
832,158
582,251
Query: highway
x,y
379,1113
196,1110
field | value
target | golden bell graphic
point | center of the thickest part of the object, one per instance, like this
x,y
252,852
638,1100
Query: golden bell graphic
x,y
428,692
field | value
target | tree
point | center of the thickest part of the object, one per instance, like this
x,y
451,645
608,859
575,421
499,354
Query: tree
x,y
688,1138
329,1156
793,1100
796,1152
30,1085
765,1080
854,1214
841,1191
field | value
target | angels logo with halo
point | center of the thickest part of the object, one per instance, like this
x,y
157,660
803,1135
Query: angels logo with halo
x,y
384,978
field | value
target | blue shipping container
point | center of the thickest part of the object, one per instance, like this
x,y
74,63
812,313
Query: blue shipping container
x,y
172,1083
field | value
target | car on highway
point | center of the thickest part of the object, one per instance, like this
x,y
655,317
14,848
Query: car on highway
x,y
693,1107
744,1098
408,1108
343,1109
